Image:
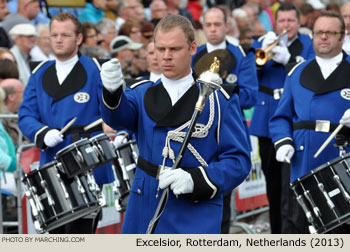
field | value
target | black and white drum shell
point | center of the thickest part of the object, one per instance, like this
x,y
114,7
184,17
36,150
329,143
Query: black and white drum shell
x,y
104,148
62,199
328,186
77,158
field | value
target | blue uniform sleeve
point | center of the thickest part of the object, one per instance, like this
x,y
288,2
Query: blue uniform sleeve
x,y
233,163
248,81
29,116
120,109
281,124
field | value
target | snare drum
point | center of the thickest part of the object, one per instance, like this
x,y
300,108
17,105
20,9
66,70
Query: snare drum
x,y
324,194
56,200
124,171
103,148
77,158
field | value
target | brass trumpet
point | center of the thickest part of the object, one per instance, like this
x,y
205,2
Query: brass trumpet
x,y
264,55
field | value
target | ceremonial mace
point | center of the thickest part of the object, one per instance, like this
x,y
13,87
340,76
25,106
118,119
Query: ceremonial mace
x,y
208,81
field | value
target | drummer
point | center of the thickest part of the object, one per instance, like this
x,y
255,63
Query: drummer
x,y
315,96
56,92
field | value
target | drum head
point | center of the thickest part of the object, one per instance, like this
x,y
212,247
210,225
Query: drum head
x,y
68,148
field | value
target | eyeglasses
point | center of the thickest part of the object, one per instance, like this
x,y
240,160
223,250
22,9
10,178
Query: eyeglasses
x,y
328,33
91,36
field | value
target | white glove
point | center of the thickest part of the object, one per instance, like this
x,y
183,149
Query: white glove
x,y
111,75
179,180
119,140
281,53
52,138
269,38
285,153
346,118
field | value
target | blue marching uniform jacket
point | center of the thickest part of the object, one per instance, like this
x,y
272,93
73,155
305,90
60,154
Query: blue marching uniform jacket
x,y
147,110
48,105
308,97
271,80
241,71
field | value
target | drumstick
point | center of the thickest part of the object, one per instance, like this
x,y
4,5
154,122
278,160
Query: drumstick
x,y
328,140
64,129
93,124
287,159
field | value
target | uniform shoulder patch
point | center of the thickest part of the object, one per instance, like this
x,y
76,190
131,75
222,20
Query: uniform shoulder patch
x,y
295,67
35,65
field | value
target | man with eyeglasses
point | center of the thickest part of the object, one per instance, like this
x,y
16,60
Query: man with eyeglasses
x,y
293,47
315,95
57,91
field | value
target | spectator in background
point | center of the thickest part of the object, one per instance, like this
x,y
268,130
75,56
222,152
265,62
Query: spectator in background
x,y
307,16
158,11
174,7
90,45
14,95
7,54
147,29
242,19
93,11
124,49
195,7
128,9
345,13
4,11
24,36
90,33
111,9
7,152
8,69
42,50
106,27
27,11
132,29
152,63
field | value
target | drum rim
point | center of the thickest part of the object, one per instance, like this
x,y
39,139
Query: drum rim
x,y
125,144
44,166
319,168
68,147
99,136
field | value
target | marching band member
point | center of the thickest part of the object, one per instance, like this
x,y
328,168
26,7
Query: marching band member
x,y
241,71
157,113
271,79
57,91
314,99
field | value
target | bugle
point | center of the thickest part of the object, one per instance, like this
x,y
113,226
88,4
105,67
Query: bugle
x,y
264,55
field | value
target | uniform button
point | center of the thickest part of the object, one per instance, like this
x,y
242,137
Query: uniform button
x,y
263,103
139,191
301,147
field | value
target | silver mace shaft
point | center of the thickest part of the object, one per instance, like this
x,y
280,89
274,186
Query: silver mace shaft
x,y
208,81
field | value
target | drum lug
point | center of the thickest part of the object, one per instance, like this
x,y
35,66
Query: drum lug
x,y
80,157
80,186
304,207
66,195
32,203
314,207
49,198
38,227
341,187
325,194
